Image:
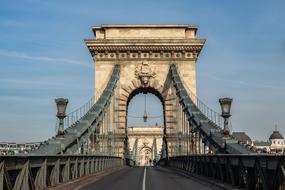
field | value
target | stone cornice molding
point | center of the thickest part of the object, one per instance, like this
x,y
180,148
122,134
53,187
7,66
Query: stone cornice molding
x,y
144,48
105,50
145,41
145,54
145,26
145,44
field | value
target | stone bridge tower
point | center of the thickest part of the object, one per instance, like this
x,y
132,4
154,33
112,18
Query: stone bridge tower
x,y
145,53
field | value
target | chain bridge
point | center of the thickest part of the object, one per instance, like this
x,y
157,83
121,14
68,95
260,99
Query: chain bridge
x,y
195,149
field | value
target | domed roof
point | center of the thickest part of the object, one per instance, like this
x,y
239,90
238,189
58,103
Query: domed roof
x,y
275,135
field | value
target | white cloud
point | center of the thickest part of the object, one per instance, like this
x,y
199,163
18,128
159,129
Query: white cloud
x,y
24,100
22,55
241,82
13,23
31,82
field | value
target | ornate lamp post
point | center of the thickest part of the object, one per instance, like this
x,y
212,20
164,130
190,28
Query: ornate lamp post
x,y
226,108
61,104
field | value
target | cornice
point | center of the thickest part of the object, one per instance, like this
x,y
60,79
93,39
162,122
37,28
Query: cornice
x,y
145,26
145,55
165,42
116,48
151,49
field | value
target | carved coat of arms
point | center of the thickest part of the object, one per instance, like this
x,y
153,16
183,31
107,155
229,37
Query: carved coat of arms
x,y
144,72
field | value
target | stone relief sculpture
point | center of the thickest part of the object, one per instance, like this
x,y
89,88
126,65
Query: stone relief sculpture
x,y
144,72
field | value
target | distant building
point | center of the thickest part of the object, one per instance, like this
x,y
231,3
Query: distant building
x,y
145,143
275,145
277,142
12,148
242,137
261,146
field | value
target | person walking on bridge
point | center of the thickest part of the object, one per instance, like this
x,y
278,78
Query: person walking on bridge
x,y
154,162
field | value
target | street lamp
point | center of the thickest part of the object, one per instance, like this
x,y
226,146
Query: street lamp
x,y
226,107
61,104
145,117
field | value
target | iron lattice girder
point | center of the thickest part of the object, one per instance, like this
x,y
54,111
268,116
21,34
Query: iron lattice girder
x,y
90,120
249,171
39,172
210,131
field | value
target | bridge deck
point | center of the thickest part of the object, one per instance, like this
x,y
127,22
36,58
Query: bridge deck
x,y
155,178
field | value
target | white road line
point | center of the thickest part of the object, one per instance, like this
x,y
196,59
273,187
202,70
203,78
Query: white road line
x,y
144,176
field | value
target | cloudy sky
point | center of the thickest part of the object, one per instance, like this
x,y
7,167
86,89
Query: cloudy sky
x,y
43,56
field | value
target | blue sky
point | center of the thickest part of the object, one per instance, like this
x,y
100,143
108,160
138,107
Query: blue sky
x,y
43,56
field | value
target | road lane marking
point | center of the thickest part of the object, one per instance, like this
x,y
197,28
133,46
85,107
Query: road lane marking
x,y
144,176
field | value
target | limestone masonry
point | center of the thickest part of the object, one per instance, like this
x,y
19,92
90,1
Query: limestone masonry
x,y
145,53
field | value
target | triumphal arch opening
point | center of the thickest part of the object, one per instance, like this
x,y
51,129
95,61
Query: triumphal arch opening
x,y
145,53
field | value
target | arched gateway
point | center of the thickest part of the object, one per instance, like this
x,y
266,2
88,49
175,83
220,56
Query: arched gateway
x,y
145,53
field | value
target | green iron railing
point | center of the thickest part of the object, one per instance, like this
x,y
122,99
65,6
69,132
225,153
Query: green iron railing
x,y
39,172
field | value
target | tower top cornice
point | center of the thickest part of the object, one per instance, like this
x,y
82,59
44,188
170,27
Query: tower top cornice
x,y
145,31
151,41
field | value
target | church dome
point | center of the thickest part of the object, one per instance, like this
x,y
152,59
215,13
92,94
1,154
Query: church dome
x,y
276,135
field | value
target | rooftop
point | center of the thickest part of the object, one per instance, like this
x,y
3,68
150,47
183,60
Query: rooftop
x,y
276,135
145,26
145,31
261,143
242,137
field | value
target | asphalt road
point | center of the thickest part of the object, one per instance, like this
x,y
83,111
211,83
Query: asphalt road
x,y
146,178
